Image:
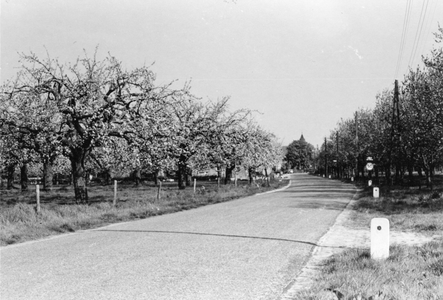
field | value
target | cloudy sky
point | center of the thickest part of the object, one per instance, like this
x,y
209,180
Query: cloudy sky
x,y
301,64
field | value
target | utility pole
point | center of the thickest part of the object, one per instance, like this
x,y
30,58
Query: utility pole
x,y
338,159
356,145
394,120
326,160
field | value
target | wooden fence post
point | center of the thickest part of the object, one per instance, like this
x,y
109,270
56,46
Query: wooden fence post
x,y
37,191
159,189
114,203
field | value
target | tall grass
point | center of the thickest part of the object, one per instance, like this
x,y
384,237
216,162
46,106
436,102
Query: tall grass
x,y
411,272
20,222
406,211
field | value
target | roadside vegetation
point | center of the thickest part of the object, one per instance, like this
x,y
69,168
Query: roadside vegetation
x,y
94,118
65,124
411,272
401,136
59,213
399,146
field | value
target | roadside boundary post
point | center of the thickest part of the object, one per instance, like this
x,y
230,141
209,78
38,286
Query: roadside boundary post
x,y
376,192
379,238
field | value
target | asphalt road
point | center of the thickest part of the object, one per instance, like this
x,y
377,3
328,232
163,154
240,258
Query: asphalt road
x,y
250,248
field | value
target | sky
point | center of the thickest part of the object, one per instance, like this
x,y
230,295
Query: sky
x,y
300,65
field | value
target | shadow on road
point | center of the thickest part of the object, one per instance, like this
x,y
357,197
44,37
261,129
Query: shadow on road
x,y
319,197
210,234
320,190
224,235
331,205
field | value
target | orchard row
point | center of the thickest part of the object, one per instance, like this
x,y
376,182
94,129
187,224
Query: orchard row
x,y
95,115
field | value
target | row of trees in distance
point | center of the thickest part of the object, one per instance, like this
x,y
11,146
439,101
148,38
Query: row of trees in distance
x,y
93,114
403,133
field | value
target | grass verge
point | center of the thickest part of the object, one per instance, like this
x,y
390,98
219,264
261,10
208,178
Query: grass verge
x,y
19,221
411,272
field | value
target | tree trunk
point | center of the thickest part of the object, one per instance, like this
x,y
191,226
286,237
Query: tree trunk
x,y
388,174
182,173
411,174
108,177
24,177
428,178
398,173
250,174
10,176
420,172
156,172
48,174
267,177
420,176
362,171
188,176
137,176
78,176
219,174
229,171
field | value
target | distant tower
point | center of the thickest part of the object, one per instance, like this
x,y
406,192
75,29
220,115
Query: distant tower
x,y
302,138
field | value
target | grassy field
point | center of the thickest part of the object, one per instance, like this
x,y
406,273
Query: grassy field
x,y
20,222
411,272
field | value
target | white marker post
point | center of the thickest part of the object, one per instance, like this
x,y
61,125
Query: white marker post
x,y
376,192
379,238
370,183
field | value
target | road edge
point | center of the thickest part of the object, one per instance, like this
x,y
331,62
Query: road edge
x,y
305,278
278,190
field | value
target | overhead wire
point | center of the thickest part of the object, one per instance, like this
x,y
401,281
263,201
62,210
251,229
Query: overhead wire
x,y
418,32
403,35
429,24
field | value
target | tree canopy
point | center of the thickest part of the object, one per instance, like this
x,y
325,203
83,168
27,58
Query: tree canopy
x,y
299,154
404,132
104,118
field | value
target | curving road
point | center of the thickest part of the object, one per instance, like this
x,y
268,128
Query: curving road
x,y
250,248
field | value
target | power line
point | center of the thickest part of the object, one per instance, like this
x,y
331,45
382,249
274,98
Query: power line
x,y
418,32
429,24
403,35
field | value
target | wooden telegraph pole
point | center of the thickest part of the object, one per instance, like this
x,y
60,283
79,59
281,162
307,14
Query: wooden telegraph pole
x,y
326,159
394,121
338,159
356,145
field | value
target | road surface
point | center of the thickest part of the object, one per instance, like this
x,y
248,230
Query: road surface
x,y
251,248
